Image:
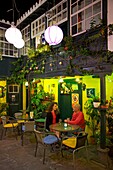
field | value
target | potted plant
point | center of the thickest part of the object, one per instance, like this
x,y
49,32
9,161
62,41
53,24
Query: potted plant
x,y
104,104
93,117
39,102
96,101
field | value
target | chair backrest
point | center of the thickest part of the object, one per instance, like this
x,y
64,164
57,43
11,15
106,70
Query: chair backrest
x,y
81,139
39,136
44,114
28,126
8,119
3,120
18,114
45,138
41,124
12,120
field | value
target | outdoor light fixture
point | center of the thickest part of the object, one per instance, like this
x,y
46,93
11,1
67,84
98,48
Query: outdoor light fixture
x,y
13,35
19,43
53,35
26,83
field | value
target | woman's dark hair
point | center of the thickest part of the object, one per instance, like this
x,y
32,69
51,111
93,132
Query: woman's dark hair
x,y
51,107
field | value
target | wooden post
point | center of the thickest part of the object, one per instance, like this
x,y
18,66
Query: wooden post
x,y
103,113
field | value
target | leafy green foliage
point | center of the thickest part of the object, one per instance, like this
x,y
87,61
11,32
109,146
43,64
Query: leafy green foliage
x,y
3,108
37,102
93,116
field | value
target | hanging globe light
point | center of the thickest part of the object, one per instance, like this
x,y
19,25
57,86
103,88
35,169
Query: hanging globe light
x,y
12,34
53,35
19,43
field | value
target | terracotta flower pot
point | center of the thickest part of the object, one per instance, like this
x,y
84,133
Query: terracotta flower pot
x,y
104,106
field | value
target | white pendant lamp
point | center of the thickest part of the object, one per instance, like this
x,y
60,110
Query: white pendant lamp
x,y
53,35
19,43
12,34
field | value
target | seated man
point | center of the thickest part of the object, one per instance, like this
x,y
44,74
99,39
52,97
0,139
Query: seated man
x,y
77,117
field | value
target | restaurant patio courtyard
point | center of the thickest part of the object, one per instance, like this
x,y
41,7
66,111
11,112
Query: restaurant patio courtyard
x,y
16,157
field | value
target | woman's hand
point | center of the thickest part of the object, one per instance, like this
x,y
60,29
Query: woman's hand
x,y
65,120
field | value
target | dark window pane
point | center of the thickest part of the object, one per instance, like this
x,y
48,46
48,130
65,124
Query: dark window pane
x,y
97,8
74,20
80,4
64,5
73,1
74,8
74,29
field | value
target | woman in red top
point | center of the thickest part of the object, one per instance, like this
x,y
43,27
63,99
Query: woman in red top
x,y
77,117
52,115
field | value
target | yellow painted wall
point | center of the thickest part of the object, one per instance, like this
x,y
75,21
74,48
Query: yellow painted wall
x,y
24,97
51,86
109,87
3,99
90,83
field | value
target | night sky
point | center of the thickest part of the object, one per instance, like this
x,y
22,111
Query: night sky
x,y
20,7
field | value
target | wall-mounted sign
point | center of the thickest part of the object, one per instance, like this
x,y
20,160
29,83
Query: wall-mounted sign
x,y
75,98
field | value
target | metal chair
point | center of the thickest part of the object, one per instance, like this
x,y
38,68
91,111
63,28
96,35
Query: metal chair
x,y
45,139
18,114
9,123
41,124
19,119
27,127
76,143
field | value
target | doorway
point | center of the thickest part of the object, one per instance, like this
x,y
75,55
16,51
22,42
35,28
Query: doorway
x,y
14,99
69,92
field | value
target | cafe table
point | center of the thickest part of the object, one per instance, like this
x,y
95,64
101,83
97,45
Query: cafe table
x,y
22,119
63,127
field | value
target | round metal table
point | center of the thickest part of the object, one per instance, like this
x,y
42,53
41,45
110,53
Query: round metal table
x,y
63,127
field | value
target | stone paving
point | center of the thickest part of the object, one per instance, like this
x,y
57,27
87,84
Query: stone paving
x,y
13,156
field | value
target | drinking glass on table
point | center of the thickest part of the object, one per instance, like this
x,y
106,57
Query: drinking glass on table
x,y
68,119
60,121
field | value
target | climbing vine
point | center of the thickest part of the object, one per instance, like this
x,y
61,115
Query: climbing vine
x,y
75,52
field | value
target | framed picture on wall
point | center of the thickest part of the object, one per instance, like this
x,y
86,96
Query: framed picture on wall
x,y
90,92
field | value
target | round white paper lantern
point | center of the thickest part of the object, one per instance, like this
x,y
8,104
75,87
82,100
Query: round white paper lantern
x,y
53,35
19,43
12,34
